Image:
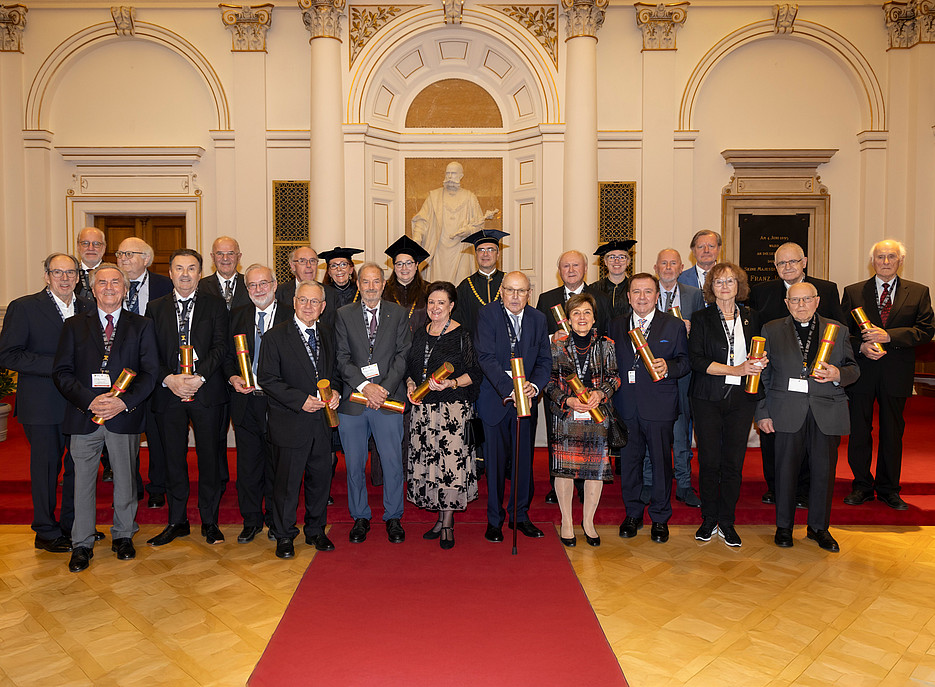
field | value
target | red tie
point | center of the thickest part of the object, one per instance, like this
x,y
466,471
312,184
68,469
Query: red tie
x,y
885,304
109,329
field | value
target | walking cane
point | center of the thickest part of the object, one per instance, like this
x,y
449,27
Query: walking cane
x,y
522,410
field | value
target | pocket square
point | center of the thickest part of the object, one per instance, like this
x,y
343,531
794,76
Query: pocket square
x,y
663,341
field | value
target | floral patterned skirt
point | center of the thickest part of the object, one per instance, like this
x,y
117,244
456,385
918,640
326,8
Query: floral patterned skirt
x,y
441,467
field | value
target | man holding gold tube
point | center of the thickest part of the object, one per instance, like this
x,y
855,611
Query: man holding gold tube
x,y
806,406
295,356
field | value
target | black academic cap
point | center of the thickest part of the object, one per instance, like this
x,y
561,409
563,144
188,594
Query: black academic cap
x,y
485,236
338,252
615,245
406,245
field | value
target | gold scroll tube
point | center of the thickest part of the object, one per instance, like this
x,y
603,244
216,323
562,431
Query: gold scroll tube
x,y
861,318
439,374
121,385
558,312
388,404
639,342
243,359
582,393
324,388
757,349
676,311
518,373
187,363
824,349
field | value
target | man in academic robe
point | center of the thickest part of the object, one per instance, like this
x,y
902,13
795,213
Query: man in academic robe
x,y
705,247
616,257
483,286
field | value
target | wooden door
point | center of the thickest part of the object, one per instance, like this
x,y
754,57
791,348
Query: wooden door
x,y
165,233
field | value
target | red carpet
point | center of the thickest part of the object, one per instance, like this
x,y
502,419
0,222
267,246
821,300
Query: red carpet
x,y
383,614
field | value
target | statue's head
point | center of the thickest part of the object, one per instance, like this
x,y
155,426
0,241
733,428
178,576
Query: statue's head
x,y
453,174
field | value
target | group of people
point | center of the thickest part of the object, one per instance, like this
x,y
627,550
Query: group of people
x,y
421,379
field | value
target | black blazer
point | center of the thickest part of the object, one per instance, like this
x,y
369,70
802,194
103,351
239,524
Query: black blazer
x,y
79,355
28,342
556,296
910,324
288,377
769,299
209,336
707,343
210,284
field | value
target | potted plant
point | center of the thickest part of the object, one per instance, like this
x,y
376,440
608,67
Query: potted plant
x,y
7,387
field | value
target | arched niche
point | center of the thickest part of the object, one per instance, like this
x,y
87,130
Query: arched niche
x,y
454,103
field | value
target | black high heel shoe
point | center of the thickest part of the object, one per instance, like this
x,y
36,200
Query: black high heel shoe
x,y
593,541
570,542
448,542
434,533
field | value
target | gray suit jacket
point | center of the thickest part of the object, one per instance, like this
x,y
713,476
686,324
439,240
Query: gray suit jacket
x,y
828,402
389,352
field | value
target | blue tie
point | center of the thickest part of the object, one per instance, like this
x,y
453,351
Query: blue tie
x,y
258,339
312,341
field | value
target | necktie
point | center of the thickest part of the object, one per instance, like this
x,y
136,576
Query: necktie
x,y
670,296
109,329
85,282
228,292
133,299
183,321
312,341
258,339
642,325
517,327
885,304
372,330
704,275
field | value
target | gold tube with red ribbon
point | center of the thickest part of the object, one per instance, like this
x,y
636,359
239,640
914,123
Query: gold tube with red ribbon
x,y
757,349
388,404
642,348
187,363
324,389
243,359
558,312
582,393
439,374
676,311
518,372
826,346
120,386
864,323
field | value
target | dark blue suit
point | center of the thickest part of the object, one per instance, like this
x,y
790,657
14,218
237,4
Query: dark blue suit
x,y
649,410
492,342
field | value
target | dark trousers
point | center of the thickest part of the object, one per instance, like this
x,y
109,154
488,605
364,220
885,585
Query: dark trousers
x,y
222,446
499,447
254,463
822,451
721,430
157,454
657,436
889,446
173,426
292,464
48,453
768,451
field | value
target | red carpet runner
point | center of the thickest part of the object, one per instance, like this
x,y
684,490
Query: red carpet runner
x,y
411,614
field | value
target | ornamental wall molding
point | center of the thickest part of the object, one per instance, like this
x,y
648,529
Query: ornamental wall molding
x,y
539,20
784,18
660,23
124,18
248,25
583,17
322,18
364,21
12,24
909,23
454,11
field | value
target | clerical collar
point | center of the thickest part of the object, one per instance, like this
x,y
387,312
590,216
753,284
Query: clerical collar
x,y
489,274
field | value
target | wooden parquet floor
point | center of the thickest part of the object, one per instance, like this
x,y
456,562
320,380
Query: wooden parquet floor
x,y
681,613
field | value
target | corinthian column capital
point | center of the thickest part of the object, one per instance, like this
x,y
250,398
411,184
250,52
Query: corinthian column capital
x,y
248,26
12,24
909,23
659,23
583,17
322,17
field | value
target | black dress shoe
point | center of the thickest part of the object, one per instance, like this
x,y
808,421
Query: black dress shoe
x,y
248,533
707,529
123,547
551,497
170,533
320,542
824,539
98,536
592,541
857,497
528,529
801,502
783,537
629,526
80,559
394,531
156,501
106,476
285,548
768,498
569,541
359,531
494,534
893,501
212,533
58,545
659,532
448,538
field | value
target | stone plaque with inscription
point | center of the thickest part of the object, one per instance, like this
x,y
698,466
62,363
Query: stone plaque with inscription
x,y
761,235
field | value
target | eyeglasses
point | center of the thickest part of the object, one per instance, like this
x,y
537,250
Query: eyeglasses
x,y
730,281
788,263
801,299
305,261
121,254
514,292
617,258
58,274
405,263
225,254
88,244
487,250
302,300
256,285
339,265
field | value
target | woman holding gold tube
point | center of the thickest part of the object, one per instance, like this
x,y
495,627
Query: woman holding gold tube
x,y
719,348
579,442
441,465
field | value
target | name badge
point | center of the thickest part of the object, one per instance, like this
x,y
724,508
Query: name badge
x,y
733,380
100,380
631,376
582,416
799,386
370,371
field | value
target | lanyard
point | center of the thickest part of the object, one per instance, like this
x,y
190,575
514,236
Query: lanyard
x,y
58,309
272,316
428,351
582,371
509,330
308,348
636,355
372,337
729,333
804,349
133,301
108,345
185,321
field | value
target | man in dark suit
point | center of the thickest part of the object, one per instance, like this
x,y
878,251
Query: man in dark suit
x,y
483,287
705,246
31,328
901,314
510,329
616,257
226,282
93,350
304,265
648,408
769,299
373,339
807,412
91,245
134,256
199,320
249,404
296,355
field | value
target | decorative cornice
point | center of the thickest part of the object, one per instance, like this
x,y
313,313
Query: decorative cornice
x,y
454,9
366,20
248,25
784,18
12,24
583,17
909,23
322,17
123,20
540,20
660,23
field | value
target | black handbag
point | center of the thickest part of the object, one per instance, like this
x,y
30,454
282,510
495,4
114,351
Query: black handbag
x,y
617,433
474,432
